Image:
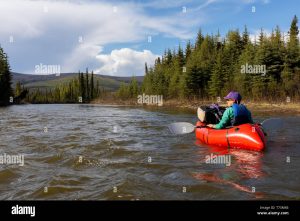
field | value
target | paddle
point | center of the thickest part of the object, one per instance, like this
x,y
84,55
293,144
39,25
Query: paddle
x,y
270,124
182,127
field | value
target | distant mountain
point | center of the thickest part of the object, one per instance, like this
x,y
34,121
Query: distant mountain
x,y
111,83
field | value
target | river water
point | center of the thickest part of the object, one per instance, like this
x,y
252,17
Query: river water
x,y
94,152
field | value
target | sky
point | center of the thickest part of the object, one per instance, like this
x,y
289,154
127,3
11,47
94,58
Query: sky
x,y
116,37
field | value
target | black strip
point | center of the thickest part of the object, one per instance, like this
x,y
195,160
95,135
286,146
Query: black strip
x,y
184,209
263,140
216,115
207,137
227,139
200,126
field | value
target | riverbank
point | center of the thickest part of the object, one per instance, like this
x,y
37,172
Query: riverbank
x,y
262,107
257,108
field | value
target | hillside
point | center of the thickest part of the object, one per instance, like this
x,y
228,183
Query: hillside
x,y
30,81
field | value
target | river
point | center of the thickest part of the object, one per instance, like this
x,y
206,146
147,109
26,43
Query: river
x,y
96,152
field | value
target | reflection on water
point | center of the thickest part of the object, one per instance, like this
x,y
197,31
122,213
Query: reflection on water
x,y
82,152
244,165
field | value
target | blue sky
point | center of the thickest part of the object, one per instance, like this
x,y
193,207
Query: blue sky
x,y
111,37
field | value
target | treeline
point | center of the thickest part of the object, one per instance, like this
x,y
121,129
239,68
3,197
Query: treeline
x,y
6,91
127,91
265,69
268,68
81,89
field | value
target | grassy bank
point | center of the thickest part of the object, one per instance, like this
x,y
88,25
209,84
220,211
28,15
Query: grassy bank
x,y
257,107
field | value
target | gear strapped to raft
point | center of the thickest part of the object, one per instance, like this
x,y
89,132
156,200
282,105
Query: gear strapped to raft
x,y
213,113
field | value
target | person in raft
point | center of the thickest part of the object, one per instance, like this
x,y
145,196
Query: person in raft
x,y
235,114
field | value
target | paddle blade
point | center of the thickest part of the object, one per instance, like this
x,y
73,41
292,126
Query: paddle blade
x,y
272,124
181,128
200,114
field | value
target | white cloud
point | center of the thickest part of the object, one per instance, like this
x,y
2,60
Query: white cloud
x,y
254,1
83,54
256,33
205,4
49,30
28,19
125,62
191,5
161,4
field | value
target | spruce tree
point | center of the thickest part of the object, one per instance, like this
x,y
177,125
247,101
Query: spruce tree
x,y
291,71
199,40
146,68
82,86
18,89
87,92
133,88
188,51
216,82
5,80
92,88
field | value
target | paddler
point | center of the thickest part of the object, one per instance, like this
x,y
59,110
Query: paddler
x,y
235,114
